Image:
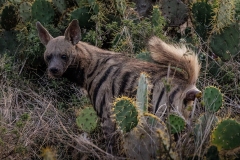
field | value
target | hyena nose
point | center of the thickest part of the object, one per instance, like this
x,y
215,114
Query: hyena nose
x,y
53,70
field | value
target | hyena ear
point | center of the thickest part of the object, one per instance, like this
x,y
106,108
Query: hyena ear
x,y
192,94
43,34
73,32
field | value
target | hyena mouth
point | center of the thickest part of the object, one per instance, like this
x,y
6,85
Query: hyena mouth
x,y
54,72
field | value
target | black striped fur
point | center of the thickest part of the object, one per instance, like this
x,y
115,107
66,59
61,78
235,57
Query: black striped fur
x,y
106,75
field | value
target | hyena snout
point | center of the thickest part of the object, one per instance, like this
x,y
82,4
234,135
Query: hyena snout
x,y
54,70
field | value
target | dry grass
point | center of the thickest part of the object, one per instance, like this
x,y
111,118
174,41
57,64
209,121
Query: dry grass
x,y
36,119
30,122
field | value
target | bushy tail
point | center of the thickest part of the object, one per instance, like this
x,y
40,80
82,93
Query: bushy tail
x,y
176,55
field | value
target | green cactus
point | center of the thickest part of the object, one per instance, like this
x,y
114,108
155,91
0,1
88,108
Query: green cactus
x,y
226,135
145,56
176,123
158,21
202,13
224,14
175,11
87,119
25,11
8,42
60,5
142,93
212,99
9,17
94,6
227,43
82,3
83,16
148,141
125,113
43,11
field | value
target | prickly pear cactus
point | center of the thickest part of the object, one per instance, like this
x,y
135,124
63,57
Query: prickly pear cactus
x,y
142,93
212,99
145,56
43,11
175,11
83,16
125,113
227,43
8,42
202,14
226,135
148,141
87,119
224,13
176,123
158,21
60,5
9,17
25,11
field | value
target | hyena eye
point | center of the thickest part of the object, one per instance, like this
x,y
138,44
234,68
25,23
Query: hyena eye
x,y
64,57
49,57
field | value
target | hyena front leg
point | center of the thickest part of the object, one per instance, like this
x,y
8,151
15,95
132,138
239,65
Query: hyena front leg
x,y
109,128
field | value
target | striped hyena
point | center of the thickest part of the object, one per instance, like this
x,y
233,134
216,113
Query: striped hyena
x,y
105,74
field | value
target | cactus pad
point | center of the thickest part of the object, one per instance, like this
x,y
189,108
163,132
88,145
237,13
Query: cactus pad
x,y
42,11
176,123
202,13
126,114
9,17
83,16
224,13
60,5
8,42
212,99
147,141
87,119
144,56
175,11
25,10
227,43
226,135
142,93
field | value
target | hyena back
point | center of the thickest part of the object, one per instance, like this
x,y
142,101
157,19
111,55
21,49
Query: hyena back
x,y
106,75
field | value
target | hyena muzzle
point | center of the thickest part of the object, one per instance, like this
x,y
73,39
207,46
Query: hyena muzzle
x,y
106,75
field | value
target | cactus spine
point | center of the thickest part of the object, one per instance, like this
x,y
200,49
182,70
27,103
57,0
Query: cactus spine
x,y
37,11
87,119
142,93
226,135
212,99
176,123
125,113
9,17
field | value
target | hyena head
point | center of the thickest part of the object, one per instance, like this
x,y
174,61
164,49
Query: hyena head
x,y
60,52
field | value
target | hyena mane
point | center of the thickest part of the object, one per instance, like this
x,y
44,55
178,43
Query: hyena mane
x,y
106,75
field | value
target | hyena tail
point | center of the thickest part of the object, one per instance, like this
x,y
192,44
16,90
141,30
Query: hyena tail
x,y
177,56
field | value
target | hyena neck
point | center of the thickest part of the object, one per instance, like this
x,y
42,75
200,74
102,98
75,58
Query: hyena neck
x,y
85,56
